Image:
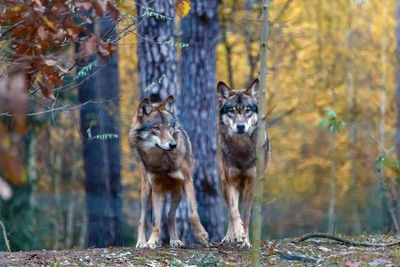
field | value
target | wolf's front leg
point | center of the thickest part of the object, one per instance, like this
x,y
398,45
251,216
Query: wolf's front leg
x,y
145,198
199,232
247,203
235,231
176,197
158,199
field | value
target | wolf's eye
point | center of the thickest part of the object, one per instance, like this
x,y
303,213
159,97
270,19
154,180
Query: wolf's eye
x,y
231,110
248,110
156,128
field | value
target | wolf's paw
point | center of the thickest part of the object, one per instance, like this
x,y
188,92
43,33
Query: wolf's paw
x,y
238,232
246,244
202,237
176,243
154,243
141,244
229,238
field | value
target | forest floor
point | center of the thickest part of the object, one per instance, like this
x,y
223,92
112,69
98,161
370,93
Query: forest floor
x,y
312,252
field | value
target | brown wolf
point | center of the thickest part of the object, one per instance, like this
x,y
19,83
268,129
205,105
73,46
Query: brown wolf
x,y
238,116
166,164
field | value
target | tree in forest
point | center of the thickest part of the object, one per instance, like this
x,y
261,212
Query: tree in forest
x,y
158,72
157,55
197,104
35,36
99,95
261,134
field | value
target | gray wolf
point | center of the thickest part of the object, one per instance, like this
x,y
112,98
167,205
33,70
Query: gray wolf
x,y
238,116
166,165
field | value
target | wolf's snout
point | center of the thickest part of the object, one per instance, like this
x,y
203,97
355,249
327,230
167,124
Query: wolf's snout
x,y
240,128
172,144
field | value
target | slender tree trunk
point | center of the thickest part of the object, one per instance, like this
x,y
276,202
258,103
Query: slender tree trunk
x,y
251,60
261,133
71,200
102,155
351,89
332,186
381,171
198,101
58,219
398,78
228,47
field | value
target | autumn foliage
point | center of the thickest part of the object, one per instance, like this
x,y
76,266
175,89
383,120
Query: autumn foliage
x,y
40,29
34,34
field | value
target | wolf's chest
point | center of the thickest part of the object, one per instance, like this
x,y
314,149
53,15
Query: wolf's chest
x,y
165,180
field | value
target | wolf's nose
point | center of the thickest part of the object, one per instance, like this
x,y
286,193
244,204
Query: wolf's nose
x,y
172,145
240,128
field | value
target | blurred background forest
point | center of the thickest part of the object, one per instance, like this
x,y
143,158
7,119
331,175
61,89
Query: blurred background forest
x,y
331,102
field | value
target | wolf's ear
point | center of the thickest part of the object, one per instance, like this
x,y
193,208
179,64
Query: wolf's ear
x,y
223,91
144,107
168,104
253,88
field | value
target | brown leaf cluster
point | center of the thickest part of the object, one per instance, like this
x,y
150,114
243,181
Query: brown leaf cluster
x,y
39,29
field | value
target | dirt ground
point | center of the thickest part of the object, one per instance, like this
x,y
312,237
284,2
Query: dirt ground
x,y
313,252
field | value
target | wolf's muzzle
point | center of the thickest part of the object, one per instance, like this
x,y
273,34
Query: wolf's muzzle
x,y
240,128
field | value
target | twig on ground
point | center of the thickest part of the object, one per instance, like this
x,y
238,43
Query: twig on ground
x,y
296,257
5,236
342,240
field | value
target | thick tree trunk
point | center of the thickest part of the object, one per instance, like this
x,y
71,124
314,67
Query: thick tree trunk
x,y
198,108
102,155
158,62
158,70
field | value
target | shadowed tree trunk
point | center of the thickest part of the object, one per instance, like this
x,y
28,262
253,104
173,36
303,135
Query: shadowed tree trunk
x,y
102,155
158,62
158,65
198,102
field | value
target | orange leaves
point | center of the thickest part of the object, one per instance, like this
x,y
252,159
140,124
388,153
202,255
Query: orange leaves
x,y
182,7
39,30
94,45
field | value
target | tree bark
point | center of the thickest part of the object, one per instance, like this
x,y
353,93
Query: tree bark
x,y
198,102
157,62
261,133
102,155
158,72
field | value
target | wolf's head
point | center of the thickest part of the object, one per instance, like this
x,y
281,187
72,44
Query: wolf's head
x,y
238,109
157,124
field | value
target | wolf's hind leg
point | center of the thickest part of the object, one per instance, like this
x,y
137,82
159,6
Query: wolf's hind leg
x,y
145,194
176,197
199,232
158,199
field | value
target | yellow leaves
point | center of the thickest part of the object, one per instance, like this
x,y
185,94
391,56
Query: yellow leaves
x,y
15,9
49,23
182,7
130,10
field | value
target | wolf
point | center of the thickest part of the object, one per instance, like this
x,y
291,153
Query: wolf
x,y
166,166
238,117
